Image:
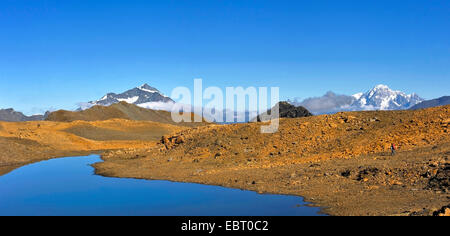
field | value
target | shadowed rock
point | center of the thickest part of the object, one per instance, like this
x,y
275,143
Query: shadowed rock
x,y
288,111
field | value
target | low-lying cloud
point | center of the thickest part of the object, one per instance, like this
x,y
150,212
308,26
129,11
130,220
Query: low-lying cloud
x,y
328,103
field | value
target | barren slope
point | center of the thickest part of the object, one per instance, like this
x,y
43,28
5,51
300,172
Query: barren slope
x,y
120,110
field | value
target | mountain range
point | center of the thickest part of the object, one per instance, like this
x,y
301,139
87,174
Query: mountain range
x,y
381,97
11,115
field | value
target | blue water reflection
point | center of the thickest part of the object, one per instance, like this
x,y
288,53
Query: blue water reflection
x,y
68,186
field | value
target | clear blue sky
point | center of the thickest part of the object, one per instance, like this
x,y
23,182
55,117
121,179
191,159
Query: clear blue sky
x,y
54,54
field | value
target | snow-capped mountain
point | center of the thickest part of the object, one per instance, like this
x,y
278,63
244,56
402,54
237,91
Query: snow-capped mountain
x,y
143,96
381,97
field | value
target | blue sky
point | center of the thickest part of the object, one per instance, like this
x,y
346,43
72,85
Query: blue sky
x,y
54,54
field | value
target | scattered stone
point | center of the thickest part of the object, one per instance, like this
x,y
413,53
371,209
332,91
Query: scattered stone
x,y
179,140
444,211
346,173
375,119
441,180
367,172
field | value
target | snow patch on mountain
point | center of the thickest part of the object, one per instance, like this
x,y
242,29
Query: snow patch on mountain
x,y
358,95
129,100
148,89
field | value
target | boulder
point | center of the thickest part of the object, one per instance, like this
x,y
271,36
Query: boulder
x,y
179,140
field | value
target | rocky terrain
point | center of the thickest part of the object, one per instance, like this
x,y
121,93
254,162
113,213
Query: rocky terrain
x,y
341,162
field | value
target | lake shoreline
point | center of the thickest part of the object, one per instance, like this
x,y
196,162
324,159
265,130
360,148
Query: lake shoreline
x,y
98,170
322,184
22,143
45,156
77,189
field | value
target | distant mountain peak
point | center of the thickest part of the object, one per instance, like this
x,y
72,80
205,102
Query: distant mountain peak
x,y
381,97
382,86
380,90
141,96
148,88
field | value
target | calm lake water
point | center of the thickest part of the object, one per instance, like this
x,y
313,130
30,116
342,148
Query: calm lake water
x,y
68,186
